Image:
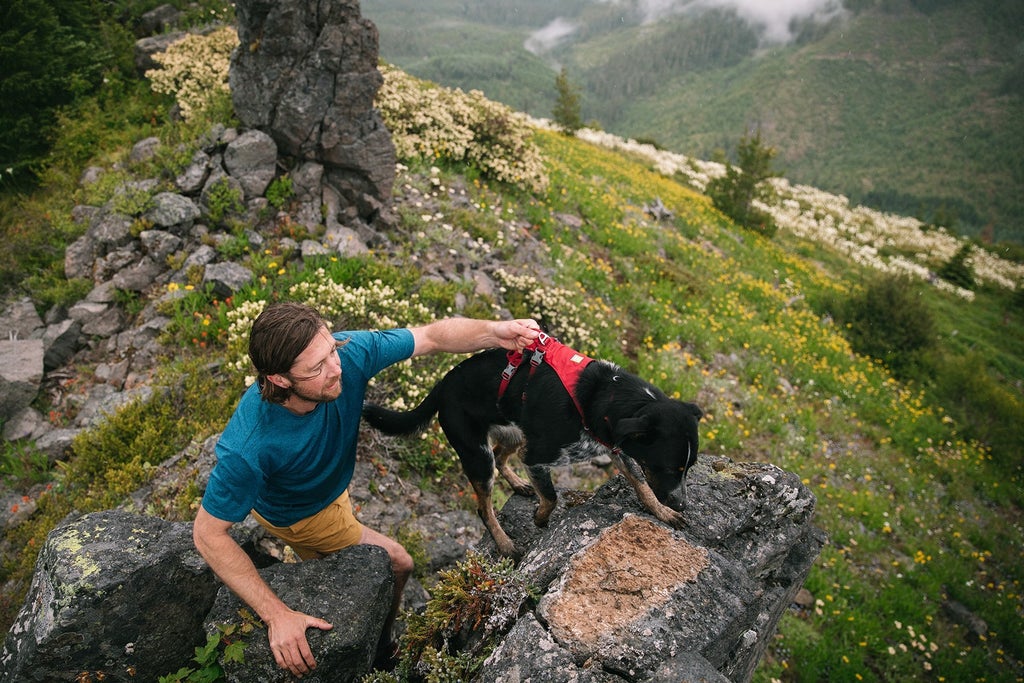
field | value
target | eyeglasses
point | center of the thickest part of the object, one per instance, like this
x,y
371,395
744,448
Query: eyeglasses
x,y
320,367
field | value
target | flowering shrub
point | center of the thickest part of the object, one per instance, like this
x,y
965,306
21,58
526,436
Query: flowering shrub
x,y
194,69
378,306
429,122
578,317
862,234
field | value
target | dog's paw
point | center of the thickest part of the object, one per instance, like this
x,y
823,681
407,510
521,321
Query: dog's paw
x,y
670,517
525,490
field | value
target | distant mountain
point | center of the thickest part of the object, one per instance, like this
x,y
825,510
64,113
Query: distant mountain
x,y
910,106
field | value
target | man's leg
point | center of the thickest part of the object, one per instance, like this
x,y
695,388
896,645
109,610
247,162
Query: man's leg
x,y
402,565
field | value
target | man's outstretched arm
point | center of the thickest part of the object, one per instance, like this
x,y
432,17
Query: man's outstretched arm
x,y
466,335
286,628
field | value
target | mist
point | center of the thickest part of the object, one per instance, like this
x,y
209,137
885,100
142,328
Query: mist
x,y
772,18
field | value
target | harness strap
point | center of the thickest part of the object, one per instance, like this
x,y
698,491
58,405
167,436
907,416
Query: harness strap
x,y
566,363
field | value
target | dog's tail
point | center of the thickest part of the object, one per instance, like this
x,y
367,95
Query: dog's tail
x,y
403,422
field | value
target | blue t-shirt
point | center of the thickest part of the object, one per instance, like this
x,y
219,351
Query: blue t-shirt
x,y
286,466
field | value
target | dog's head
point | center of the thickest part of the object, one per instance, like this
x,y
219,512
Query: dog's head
x,y
662,437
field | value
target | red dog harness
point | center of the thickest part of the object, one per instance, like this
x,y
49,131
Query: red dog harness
x,y
567,364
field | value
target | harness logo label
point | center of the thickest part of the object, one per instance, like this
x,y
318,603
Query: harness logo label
x,y
576,358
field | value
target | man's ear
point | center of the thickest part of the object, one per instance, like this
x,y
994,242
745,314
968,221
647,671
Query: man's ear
x,y
279,381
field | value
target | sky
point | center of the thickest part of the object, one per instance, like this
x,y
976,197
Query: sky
x,y
771,17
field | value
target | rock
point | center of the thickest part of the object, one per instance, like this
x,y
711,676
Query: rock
x,y
632,596
27,423
60,343
20,320
157,20
252,159
192,178
308,76
226,277
172,212
144,150
159,244
115,593
350,589
138,277
21,372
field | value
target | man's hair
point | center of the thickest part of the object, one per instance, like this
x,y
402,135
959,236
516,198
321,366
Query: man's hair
x,y
280,333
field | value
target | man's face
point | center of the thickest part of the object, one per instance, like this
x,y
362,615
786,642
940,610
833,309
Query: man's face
x,y
315,375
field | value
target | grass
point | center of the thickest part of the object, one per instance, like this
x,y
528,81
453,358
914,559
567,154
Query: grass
x,y
917,514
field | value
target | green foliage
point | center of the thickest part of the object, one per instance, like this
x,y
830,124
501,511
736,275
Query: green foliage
x,y
280,191
479,597
957,270
223,201
734,193
220,647
888,319
566,113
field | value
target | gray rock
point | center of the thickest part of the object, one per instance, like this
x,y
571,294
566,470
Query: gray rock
x,y
192,178
27,423
145,48
80,256
311,84
144,150
159,244
226,277
139,277
748,533
157,20
252,159
56,443
172,212
20,320
21,372
112,592
350,589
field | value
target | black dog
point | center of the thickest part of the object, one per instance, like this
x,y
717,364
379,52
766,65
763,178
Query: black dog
x,y
487,405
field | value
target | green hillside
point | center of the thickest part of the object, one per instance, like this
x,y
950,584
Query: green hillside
x,y
913,453
911,107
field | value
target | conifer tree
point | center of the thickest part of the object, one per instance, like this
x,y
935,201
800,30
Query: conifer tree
x,y
566,113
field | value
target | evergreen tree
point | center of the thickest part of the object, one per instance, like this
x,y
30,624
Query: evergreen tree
x,y
734,193
566,113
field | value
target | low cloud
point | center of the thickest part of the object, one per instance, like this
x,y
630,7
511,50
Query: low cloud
x,y
772,17
547,38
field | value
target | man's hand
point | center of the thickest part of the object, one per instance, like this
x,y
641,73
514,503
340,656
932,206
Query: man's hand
x,y
287,636
516,335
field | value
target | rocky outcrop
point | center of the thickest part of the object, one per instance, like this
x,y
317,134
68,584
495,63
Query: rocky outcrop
x,y
306,74
622,597
125,597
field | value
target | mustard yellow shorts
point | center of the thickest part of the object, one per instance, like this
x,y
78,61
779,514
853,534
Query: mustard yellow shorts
x,y
333,528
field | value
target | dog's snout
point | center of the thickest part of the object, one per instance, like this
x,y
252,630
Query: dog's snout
x,y
676,498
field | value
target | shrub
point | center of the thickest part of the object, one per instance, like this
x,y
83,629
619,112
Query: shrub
x,y
194,69
888,320
957,270
430,122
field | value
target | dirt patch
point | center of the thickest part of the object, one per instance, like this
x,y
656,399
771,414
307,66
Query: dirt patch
x,y
632,568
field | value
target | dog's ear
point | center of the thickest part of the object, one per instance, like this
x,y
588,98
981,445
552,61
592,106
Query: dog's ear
x,y
695,410
631,426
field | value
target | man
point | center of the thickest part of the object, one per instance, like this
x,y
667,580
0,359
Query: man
x,y
288,452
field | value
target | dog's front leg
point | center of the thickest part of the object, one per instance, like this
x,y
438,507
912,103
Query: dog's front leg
x,y
540,475
631,470
485,509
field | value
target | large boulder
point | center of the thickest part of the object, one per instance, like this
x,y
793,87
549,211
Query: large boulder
x,y
351,589
113,593
623,593
306,74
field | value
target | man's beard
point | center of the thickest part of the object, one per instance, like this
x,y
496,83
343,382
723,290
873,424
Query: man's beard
x,y
322,396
